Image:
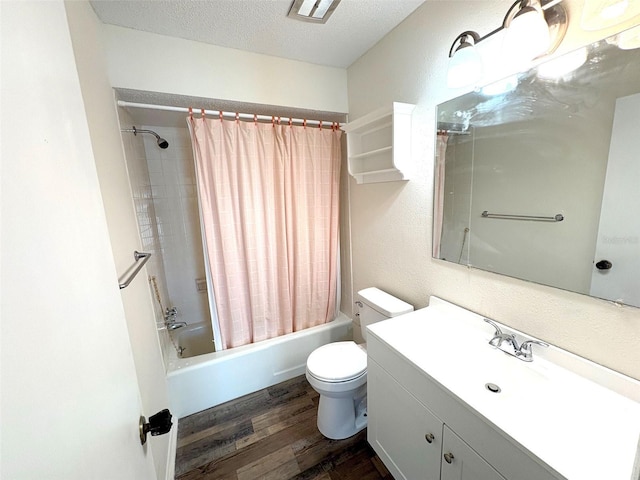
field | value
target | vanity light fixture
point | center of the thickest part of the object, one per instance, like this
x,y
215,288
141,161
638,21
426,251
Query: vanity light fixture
x,y
317,11
599,14
465,64
530,29
526,33
629,39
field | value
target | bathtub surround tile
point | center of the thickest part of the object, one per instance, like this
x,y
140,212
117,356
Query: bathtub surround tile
x,y
270,434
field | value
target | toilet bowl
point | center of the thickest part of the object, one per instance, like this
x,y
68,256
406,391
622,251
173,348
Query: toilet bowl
x,y
338,371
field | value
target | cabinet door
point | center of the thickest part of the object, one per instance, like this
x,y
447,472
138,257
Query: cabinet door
x,y
461,462
404,434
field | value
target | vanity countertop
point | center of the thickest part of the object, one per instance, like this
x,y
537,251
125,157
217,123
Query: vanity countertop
x,y
580,419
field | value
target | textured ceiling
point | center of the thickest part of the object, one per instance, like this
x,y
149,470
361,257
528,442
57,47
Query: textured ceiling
x,y
262,26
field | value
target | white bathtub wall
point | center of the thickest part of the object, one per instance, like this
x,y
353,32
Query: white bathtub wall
x,y
173,189
135,154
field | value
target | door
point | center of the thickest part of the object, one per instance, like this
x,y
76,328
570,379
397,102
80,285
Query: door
x,y
617,257
461,462
404,434
70,398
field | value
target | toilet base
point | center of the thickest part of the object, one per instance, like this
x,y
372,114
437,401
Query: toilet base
x,y
340,418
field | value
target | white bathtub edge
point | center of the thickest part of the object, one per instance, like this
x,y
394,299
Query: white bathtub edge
x,y
198,383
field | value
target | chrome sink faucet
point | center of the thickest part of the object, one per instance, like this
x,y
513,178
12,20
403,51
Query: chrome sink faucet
x,y
523,351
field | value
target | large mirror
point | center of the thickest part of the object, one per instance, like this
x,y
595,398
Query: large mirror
x,y
538,175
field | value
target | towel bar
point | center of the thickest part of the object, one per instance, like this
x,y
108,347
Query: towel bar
x,y
556,218
140,257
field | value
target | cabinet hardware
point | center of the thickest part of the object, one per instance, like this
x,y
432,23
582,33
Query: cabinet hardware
x,y
429,437
448,457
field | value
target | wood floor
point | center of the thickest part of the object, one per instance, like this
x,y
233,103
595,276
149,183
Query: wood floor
x,y
271,434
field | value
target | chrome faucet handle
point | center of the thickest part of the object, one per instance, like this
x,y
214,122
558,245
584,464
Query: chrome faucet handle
x,y
498,336
525,351
510,338
494,325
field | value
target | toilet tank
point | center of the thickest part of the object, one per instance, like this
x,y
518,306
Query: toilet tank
x,y
375,305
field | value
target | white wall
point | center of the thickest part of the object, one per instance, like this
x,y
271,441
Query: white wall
x,y
391,222
118,204
70,399
157,63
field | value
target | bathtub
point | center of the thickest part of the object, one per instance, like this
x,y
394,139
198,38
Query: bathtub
x,y
204,381
195,339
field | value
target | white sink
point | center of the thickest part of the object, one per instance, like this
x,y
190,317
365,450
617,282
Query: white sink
x,y
579,418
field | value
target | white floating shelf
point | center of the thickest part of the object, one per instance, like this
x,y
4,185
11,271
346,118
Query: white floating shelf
x,y
379,144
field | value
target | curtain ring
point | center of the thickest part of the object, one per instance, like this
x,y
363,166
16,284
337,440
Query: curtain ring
x,y
202,112
279,121
273,121
320,125
304,123
220,115
255,119
290,122
190,112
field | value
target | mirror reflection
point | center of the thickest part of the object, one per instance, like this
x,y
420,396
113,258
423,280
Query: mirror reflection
x,y
538,175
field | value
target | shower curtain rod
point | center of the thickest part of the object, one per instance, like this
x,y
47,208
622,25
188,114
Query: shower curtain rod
x,y
233,115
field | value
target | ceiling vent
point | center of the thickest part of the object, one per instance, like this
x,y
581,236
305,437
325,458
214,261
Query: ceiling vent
x,y
317,11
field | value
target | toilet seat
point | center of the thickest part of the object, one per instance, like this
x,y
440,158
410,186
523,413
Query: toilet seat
x,y
337,362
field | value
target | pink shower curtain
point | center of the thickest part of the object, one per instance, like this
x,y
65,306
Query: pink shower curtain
x,y
438,194
269,200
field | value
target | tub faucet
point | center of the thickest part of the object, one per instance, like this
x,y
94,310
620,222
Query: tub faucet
x,y
170,314
175,325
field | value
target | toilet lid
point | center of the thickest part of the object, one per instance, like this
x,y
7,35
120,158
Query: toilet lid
x,y
337,362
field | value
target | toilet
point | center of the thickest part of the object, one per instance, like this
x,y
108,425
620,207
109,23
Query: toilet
x,y
338,371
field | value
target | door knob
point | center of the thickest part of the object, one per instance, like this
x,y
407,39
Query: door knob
x,y
604,265
159,424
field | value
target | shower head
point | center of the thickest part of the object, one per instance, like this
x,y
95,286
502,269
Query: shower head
x,y
162,143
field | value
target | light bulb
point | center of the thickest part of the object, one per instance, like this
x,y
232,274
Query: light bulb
x,y
629,39
465,67
526,37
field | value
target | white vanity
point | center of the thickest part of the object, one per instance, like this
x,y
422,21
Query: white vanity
x,y
433,413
